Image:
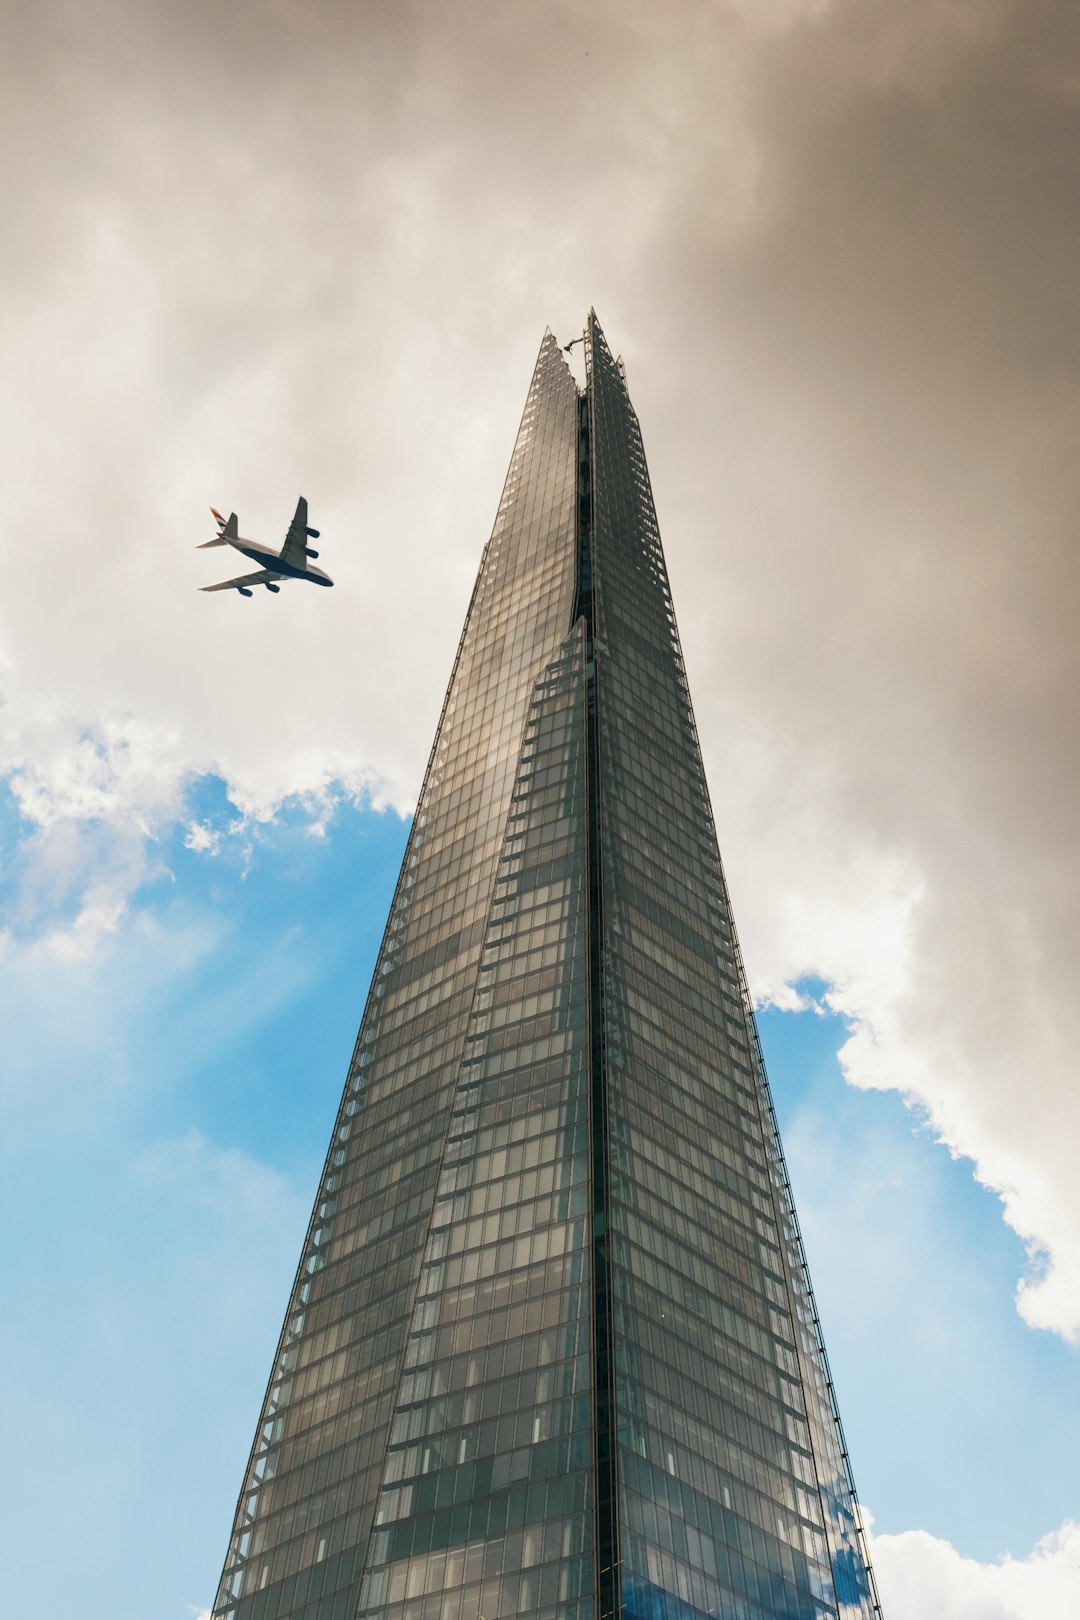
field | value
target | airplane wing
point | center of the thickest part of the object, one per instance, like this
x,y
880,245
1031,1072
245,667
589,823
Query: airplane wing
x,y
260,578
294,550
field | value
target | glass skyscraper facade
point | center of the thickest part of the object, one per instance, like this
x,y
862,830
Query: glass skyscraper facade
x,y
551,1349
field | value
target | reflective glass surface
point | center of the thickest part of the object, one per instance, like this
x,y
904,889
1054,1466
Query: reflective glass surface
x,y
551,1349
485,1505
731,1496
305,1515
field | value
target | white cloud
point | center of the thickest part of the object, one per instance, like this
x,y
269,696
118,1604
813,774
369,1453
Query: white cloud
x,y
91,797
959,992
892,774
924,1578
843,314
203,839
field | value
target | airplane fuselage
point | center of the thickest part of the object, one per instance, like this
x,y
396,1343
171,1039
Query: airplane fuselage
x,y
271,560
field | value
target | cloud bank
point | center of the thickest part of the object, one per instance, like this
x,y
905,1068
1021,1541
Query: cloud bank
x,y
920,1575
263,254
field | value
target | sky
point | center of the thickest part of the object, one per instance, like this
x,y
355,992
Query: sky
x,y
263,250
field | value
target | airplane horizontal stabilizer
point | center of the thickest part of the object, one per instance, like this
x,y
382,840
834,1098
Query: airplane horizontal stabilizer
x,y
219,541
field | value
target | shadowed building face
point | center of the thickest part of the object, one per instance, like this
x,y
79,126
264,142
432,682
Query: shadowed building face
x,y
551,1349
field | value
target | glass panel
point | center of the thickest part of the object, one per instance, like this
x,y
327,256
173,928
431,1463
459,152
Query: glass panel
x,y
732,1496
306,1510
485,1506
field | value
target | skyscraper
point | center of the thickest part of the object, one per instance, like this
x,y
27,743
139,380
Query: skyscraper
x,y
551,1349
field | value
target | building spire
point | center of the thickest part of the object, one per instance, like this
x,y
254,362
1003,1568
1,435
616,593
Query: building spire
x,y
551,1349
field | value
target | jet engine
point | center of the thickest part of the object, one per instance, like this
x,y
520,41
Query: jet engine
x,y
310,552
243,590
274,588
312,534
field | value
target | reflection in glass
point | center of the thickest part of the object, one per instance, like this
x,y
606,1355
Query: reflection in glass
x,y
551,1349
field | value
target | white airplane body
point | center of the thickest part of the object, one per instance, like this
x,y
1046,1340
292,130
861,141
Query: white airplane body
x,y
291,562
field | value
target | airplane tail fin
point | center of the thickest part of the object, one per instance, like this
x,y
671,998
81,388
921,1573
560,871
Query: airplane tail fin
x,y
229,531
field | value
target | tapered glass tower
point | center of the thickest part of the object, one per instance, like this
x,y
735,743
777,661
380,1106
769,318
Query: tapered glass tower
x,y
551,1349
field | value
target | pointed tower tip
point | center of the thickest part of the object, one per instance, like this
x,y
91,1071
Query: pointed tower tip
x,y
596,331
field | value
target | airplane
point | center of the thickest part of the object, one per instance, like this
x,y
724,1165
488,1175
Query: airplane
x,y
291,562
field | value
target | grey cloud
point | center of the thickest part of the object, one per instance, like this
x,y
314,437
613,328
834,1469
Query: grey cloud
x,y
895,612
267,249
